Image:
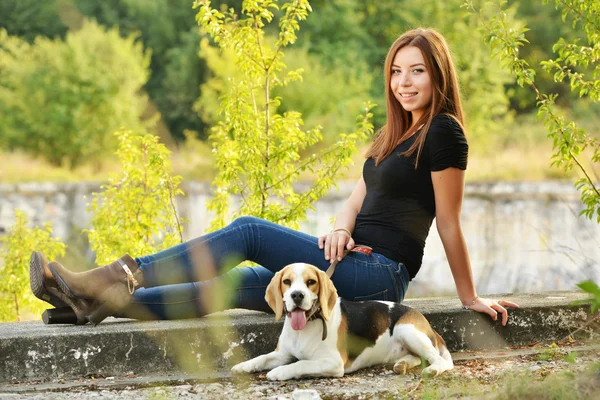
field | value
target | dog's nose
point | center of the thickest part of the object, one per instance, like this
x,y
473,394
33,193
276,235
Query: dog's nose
x,y
297,296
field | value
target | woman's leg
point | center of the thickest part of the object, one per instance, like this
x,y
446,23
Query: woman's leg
x,y
180,279
358,277
203,260
242,287
247,238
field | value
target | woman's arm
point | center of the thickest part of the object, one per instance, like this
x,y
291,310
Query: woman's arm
x,y
448,187
340,239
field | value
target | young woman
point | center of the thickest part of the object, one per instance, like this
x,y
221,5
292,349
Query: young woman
x,y
414,173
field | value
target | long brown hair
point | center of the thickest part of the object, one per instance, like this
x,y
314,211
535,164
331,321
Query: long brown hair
x,y
445,98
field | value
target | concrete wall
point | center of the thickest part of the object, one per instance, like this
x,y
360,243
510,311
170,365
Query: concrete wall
x,y
522,237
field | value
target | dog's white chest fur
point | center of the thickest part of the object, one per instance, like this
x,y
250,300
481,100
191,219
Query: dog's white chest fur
x,y
304,344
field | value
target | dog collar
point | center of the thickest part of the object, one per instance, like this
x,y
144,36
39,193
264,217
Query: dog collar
x,y
316,314
320,316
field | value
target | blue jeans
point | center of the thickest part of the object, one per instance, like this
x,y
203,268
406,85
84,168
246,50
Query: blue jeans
x,y
198,277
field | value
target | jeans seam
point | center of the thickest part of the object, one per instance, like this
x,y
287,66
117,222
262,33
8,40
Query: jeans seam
x,y
286,230
166,303
375,263
187,249
194,298
384,292
394,283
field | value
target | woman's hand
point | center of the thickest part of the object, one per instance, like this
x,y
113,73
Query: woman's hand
x,y
335,244
492,307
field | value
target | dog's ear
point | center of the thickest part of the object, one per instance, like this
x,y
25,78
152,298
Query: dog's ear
x,y
327,294
274,296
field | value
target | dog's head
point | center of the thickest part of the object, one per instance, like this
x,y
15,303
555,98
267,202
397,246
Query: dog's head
x,y
299,289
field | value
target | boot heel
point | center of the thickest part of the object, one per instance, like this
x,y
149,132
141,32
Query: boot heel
x,y
38,282
62,315
100,314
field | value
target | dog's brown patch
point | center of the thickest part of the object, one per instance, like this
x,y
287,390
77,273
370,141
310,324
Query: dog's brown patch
x,y
440,343
342,342
420,322
287,273
311,274
275,290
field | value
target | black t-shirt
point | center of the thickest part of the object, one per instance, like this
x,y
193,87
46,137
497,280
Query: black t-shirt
x,y
399,207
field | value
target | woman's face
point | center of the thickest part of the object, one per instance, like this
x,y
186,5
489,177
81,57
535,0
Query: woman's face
x,y
410,81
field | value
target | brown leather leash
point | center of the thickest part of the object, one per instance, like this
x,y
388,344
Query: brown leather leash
x,y
358,249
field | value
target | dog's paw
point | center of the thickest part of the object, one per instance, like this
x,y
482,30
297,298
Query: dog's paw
x,y
401,367
244,367
434,370
282,373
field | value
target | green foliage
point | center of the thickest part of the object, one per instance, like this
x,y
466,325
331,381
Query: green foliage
x,y
325,96
340,30
593,289
16,297
175,84
546,28
257,150
328,95
61,100
30,18
168,29
135,212
569,139
221,64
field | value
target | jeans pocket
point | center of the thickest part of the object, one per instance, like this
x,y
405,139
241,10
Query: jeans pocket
x,y
383,295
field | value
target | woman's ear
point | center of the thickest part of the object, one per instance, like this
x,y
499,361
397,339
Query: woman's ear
x,y
274,296
327,295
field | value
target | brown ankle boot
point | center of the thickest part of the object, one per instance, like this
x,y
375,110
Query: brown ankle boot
x,y
111,286
45,288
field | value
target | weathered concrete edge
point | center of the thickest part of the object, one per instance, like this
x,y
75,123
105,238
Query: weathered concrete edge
x,y
34,352
146,381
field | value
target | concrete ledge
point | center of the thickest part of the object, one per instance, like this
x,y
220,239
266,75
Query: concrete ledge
x,y
32,351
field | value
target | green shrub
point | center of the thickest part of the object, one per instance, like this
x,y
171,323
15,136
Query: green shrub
x,y
16,297
258,151
61,100
135,212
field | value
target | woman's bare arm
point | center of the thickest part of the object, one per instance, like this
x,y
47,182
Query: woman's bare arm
x,y
448,186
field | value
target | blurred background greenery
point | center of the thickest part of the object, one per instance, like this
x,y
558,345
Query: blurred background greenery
x,y
74,71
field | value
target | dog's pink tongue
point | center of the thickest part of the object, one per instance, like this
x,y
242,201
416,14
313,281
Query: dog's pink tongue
x,y
298,319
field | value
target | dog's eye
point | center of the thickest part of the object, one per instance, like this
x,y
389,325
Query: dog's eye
x,y
310,282
287,282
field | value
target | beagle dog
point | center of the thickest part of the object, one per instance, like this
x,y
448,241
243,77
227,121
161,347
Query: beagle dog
x,y
330,336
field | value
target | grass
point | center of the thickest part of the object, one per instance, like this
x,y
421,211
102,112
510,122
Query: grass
x,y
562,386
192,160
581,384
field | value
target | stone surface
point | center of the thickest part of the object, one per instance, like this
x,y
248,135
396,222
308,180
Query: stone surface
x,y
33,351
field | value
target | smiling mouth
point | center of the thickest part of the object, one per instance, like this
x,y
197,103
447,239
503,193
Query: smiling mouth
x,y
299,316
407,95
